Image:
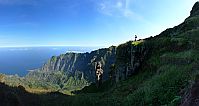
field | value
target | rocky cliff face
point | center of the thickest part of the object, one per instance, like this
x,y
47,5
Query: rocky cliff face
x,y
129,58
83,63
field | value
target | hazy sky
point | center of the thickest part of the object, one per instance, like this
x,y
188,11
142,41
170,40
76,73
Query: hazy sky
x,y
86,22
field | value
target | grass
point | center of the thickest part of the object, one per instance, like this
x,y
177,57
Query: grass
x,y
135,43
161,89
189,55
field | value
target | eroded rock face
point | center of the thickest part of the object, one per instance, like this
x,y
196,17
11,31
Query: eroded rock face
x,y
82,62
129,59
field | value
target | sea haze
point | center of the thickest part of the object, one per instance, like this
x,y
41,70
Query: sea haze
x,y
18,60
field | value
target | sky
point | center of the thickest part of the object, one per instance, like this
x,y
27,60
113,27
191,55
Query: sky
x,y
99,23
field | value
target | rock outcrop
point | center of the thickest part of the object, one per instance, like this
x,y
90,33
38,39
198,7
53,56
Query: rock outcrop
x,y
192,96
195,10
129,58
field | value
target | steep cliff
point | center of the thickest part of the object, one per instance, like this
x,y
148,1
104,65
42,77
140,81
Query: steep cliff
x,y
82,62
129,58
73,70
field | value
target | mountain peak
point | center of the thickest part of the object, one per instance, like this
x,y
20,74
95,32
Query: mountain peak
x,y
195,9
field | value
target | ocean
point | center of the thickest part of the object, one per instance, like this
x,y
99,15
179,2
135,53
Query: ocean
x,y
18,60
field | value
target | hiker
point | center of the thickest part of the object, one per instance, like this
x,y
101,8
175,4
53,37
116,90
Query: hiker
x,y
99,73
135,37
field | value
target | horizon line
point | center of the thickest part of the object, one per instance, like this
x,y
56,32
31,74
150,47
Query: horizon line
x,y
47,46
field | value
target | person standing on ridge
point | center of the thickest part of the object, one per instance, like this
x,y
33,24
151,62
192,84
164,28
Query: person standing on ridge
x,y
135,37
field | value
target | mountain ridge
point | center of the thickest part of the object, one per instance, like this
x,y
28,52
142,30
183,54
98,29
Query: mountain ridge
x,y
83,62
